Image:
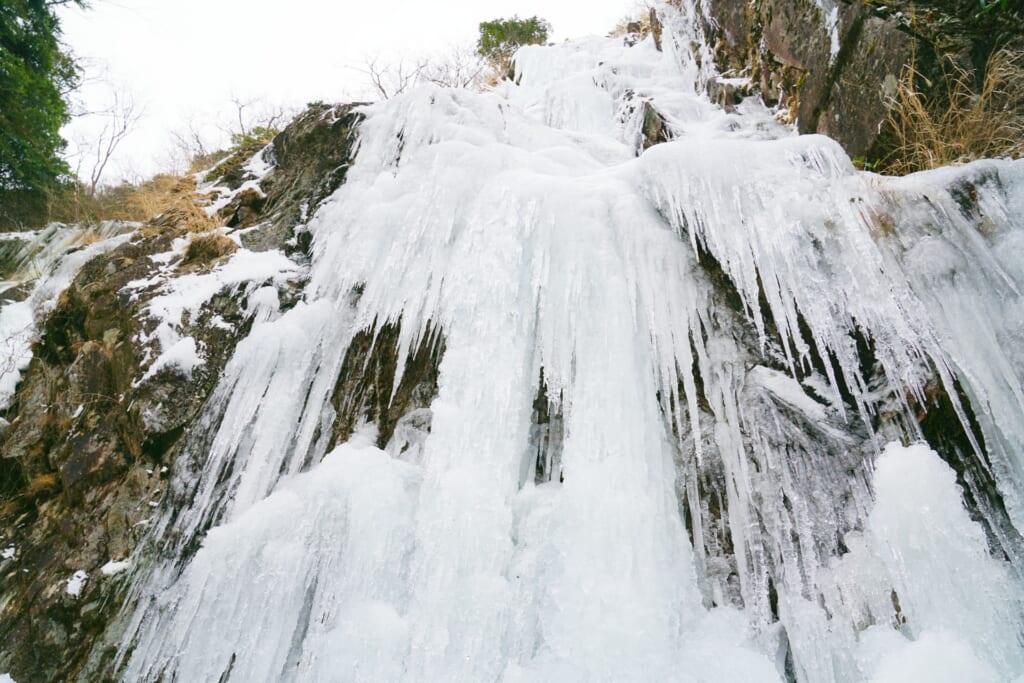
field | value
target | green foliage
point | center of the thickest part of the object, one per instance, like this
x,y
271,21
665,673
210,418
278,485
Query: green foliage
x,y
987,6
35,76
258,135
500,38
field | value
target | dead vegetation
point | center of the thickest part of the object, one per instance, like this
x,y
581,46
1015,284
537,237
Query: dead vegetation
x,y
167,199
43,484
962,121
163,200
208,248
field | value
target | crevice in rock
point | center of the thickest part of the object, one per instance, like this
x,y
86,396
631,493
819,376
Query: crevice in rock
x,y
363,392
547,434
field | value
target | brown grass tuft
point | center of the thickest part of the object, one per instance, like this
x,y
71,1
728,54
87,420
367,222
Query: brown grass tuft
x,y
961,124
208,248
42,484
165,200
171,201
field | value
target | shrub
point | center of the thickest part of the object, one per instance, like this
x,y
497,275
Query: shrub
x,y
256,136
500,38
962,121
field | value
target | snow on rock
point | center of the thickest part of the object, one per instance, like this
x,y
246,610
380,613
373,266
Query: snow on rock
x,y
76,583
255,170
182,296
115,567
182,356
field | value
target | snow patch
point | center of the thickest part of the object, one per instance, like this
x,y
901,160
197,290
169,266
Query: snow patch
x,y
76,582
181,298
115,567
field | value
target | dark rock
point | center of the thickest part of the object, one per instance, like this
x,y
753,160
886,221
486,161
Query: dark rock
x,y
727,93
654,128
786,48
363,393
311,157
869,65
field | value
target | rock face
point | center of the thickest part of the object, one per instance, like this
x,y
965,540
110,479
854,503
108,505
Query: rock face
x,y
90,437
310,158
831,65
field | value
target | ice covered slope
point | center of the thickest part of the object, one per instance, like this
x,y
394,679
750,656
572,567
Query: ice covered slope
x,y
656,448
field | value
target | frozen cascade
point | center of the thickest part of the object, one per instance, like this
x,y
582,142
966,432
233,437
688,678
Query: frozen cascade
x,y
729,328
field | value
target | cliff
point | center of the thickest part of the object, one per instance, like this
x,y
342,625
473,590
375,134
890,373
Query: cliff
x,y
833,65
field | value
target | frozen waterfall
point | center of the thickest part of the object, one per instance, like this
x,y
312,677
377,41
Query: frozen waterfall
x,y
676,431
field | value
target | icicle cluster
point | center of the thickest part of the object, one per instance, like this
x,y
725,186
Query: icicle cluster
x,y
715,502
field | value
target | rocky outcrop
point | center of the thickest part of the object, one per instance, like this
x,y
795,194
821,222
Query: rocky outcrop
x,y
91,436
310,158
831,65
81,466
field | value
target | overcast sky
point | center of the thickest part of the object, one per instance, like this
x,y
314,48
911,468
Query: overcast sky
x,y
184,60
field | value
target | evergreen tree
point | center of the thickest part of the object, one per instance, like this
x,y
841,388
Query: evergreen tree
x,y
500,38
35,76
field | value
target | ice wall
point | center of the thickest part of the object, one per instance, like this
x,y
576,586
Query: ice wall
x,y
699,313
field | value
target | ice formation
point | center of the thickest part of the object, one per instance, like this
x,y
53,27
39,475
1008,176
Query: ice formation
x,y
728,327
49,259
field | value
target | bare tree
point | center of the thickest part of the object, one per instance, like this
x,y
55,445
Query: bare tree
x,y
186,145
254,114
119,120
459,67
392,79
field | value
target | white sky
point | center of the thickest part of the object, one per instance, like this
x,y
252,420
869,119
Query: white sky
x,y
184,60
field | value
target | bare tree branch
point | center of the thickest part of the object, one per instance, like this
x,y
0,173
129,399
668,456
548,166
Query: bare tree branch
x,y
253,114
460,67
389,80
121,117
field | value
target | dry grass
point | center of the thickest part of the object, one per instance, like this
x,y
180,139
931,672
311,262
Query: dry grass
x,y
88,237
964,123
165,200
42,484
208,248
171,201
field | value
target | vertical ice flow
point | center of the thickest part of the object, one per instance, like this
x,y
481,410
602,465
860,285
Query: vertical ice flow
x,y
694,310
